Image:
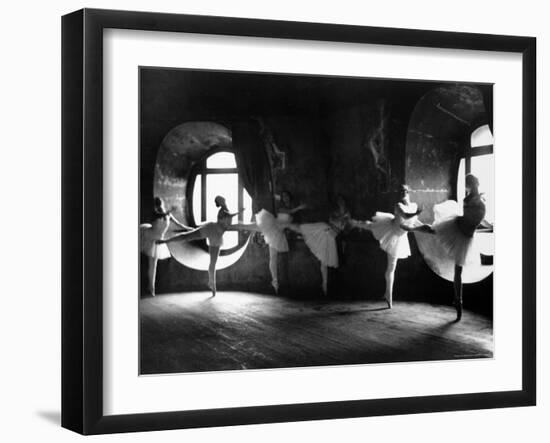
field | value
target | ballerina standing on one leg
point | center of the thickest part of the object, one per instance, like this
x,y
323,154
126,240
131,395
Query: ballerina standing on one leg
x,y
150,233
391,232
321,238
213,231
273,230
456,233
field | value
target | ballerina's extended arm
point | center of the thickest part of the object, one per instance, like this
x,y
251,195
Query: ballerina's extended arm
x,y
233,214
252,227
364,225
360,224
293,210
423,227
407,215
485,226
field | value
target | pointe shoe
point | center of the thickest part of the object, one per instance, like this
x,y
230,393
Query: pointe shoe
x,y
388,302
458,307
275,285
152,292
212,287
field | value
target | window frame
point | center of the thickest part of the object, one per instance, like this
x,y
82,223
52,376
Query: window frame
x,y
200,168
476,151
468,153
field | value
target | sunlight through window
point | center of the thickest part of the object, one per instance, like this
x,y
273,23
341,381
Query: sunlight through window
x,y
219,176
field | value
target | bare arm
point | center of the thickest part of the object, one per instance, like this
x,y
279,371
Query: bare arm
x,y
233,214
252,227
485,226
292,210
405,214
364,225
352,223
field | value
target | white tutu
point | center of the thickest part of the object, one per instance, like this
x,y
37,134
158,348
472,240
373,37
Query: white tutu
x,y
321,240
457,246
393,240
272,230
148,235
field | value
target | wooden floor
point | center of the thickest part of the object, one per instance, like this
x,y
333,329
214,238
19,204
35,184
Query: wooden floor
x,y
192,331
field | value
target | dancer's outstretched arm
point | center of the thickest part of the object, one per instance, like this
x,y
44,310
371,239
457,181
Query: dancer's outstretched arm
x,y
406,214
423,227
233,214
359,224
253,227
293,210
485,226
364,225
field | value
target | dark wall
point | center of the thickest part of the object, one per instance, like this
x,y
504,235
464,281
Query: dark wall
x,y
339,136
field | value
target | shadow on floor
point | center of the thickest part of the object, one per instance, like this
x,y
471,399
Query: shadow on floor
x,y
54,417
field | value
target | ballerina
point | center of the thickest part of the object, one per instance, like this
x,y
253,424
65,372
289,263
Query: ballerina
x,y
391,232
273,230
213,231
456,233
320,238
150,233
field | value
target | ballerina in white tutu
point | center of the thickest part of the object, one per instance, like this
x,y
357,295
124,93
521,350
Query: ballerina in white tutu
x,y
391,232
273,229
150,233
321,238
213,231
456,232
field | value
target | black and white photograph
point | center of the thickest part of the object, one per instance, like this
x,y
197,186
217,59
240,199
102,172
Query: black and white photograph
x,y
290,220
271,222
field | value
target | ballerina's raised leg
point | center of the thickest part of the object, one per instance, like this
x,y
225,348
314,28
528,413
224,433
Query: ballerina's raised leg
x,y
197,234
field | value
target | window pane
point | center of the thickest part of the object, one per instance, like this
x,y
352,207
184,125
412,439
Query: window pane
x,y
481,137
221,160
483,168
225,185
197,194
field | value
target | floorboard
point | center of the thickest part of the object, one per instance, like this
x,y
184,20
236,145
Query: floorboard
x,y
190,332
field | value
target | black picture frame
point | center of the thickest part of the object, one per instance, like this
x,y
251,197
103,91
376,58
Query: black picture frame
x,y
82,218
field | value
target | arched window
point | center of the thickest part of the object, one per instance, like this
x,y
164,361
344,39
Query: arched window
x,y
479,160
217,174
